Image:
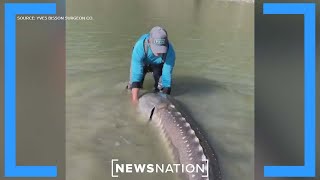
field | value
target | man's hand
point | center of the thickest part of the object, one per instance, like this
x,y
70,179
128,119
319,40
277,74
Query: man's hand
x,y
134,97
166,90
135,102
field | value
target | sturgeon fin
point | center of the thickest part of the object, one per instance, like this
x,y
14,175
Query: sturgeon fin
x,y
151,114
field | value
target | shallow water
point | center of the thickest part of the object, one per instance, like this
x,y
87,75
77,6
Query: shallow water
x,y
213,78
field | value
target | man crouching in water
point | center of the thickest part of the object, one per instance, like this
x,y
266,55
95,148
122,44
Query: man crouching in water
x,y
152,53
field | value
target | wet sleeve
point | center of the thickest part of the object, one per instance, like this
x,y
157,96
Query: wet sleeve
x,y
168,68
137,65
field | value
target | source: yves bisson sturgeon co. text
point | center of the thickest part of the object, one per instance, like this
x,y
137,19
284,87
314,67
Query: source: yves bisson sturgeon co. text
x,y
55,18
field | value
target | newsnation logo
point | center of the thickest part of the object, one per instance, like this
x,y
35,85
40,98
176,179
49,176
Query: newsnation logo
x,y
130,168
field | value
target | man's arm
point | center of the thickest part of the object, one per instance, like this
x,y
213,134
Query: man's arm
x,y
136,69
167,70
134,96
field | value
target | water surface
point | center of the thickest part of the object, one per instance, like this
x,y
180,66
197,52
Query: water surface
x,y
213,78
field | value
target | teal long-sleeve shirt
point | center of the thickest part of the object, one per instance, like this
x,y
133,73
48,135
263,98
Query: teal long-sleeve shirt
x,y
139,59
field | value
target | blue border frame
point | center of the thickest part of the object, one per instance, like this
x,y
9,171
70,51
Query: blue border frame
x,y
11,169
308,10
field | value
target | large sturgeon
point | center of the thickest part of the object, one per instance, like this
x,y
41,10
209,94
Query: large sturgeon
x,y
187,142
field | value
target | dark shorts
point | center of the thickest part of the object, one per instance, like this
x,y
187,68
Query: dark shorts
x,y
155,69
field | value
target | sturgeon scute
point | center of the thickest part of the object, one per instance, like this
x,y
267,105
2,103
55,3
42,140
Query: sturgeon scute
x,y
187,142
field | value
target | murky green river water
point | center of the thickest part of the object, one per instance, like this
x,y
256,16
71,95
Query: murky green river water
x,y
213,78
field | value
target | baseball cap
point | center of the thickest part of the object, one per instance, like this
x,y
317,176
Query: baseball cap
x,y
158,40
